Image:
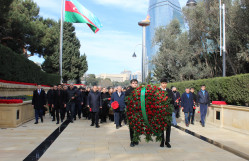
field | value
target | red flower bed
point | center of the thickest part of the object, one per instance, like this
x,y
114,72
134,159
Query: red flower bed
x,y
22,83
219,103
149,113
13,101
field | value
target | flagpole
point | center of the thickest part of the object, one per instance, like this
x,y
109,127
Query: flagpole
x,y
61,38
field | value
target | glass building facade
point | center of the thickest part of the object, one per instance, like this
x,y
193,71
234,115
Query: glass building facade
x,y
161,13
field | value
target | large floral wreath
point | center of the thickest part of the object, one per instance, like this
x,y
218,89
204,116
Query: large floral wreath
x,y
149,112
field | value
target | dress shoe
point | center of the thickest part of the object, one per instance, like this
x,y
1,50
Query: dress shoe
x,y
92,125
97,126
132,144
57,122
36,122
162,145
168,145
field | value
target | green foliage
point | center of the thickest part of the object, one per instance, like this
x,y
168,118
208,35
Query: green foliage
x,y
195,54
234,90
74,65
177,59
15,67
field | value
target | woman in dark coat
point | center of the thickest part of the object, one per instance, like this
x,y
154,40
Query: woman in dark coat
x,y
105,101
187,102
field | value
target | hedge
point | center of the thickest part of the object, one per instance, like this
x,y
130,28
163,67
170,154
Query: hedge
x,y
16,67
234,90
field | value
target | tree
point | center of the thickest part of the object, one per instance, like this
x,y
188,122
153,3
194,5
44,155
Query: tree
x,y
91,80
176,58
195,54
203,21
74,65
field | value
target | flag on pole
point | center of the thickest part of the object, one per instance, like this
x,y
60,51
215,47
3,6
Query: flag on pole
x,y
77,13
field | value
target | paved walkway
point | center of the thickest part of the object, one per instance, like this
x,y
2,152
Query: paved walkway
x,y
80,142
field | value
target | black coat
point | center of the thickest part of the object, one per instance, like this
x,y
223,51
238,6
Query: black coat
x,y
203,99
170,95
58,98
176,96
187,103
94,101
71,93
50,97
84,98
105,101
39,100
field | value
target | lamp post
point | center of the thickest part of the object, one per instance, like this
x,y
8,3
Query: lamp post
x,y
191,3
144,24
222,32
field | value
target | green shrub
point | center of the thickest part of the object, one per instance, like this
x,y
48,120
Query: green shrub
x,y
234,90
15,67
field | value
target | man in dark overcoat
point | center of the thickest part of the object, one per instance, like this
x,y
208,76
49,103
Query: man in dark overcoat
x,y
94,102
187,102
133,85
38,102
164,83
59,103
204,102
50,99
119,96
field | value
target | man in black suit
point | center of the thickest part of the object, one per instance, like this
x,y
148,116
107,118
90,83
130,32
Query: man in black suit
x,y
134,84
38,102
164,82
59,103
203,100
50,99
94,102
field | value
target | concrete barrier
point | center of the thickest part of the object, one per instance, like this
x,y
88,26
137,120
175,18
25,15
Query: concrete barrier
x,y
230,117
14,115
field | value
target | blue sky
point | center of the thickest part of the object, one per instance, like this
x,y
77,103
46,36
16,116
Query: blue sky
x,y
111,49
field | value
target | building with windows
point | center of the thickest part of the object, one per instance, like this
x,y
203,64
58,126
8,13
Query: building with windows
x,y
161,13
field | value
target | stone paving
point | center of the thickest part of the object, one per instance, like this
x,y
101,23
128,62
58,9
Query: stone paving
x,y
80,142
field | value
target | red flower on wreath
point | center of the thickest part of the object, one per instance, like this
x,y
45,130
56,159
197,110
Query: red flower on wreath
x,y
115,105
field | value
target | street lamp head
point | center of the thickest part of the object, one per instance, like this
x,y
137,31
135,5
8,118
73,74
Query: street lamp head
x,y
191,3
134,55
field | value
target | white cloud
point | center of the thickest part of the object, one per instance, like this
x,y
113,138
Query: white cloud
x,y
140,6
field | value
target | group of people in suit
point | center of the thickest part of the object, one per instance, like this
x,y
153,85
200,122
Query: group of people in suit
x,y
61,100
188,102
95,104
